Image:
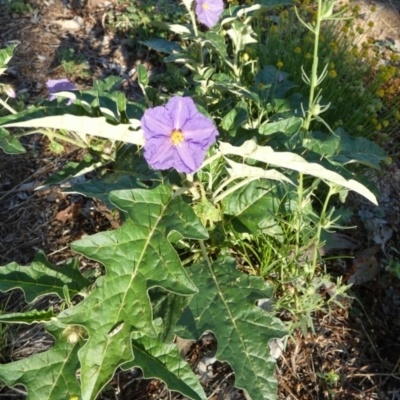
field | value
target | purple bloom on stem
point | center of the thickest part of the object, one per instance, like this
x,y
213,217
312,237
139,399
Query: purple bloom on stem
x,y
11,93
209,11
59,85
177,135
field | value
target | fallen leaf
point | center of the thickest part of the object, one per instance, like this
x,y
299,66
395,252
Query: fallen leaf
x,y
68,213
365,266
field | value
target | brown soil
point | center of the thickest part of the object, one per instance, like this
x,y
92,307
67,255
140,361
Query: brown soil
x,y
360,344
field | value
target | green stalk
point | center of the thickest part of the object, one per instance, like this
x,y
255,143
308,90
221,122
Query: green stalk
x,y
319,229
299,213
9,108
314,71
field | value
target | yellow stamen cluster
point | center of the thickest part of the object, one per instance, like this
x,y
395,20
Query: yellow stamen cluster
x,y
176,137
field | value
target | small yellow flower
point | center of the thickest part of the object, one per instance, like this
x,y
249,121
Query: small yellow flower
x,y
245,57
308,55
260,86
390,90
374,121
332,65
378,127
345,29
371,24
279,64
385,123
297,50
373,9
332,74
380,93
273,29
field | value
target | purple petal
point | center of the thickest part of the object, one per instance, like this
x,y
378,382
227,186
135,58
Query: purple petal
x,y
181,109
190,158
58,85
209,11
200,130
11,93
157,122
160,153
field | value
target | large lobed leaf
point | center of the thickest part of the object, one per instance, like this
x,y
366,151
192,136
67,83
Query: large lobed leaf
x,y
163,361
50,375
226,306
138,256
41,278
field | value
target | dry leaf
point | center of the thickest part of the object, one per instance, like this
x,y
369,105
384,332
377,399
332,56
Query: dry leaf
x,y
68,213
365,267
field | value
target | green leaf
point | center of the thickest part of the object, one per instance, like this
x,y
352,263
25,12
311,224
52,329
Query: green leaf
x,y
176,28
41,278
163,361
28,317
226,306
235,118
56,147
10,144
253,208
101,188
168,306
70,170
241,35
345,149
142,75
250,150
107,85
291,125
137,257
82,124
217,41
163,45
5,57
237,170
47,376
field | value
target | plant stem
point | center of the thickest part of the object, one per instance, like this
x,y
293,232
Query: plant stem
x,y
299,214
9,108
319,229
314,71
204,253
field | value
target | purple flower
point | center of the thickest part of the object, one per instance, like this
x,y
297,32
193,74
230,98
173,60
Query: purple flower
x,y
209,11
10,92
59,85
177,135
